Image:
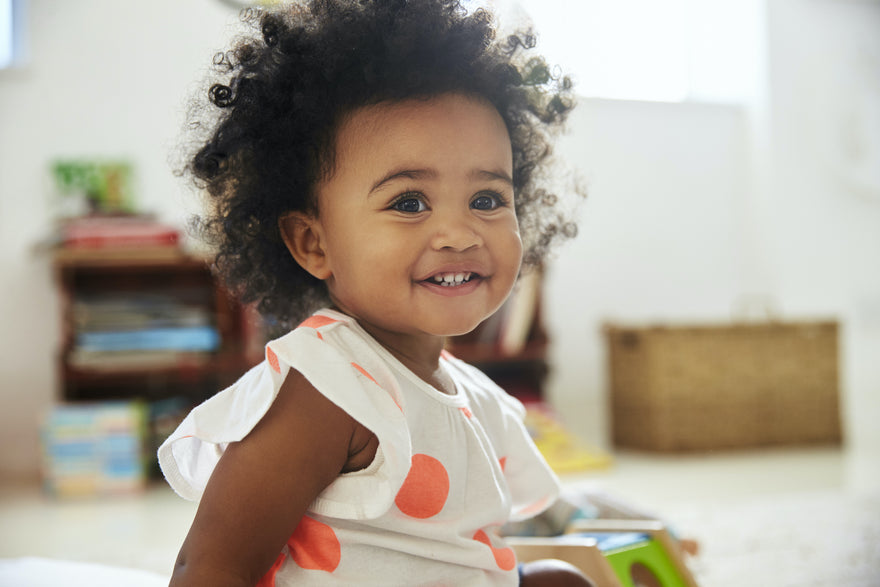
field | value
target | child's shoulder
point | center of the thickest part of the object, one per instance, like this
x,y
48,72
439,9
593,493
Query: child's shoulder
x,y
324,320
323,325
328,348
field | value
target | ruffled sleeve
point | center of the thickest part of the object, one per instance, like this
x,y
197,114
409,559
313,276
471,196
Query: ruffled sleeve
x,y
323,350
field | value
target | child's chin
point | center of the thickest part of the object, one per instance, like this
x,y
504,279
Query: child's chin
x,y
457,329
454,333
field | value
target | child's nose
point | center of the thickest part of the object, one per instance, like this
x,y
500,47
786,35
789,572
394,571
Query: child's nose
x,y
455,231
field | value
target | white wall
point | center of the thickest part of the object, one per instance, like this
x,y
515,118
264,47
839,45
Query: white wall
x,y
104,79
660,235
694,207
691,205
821,205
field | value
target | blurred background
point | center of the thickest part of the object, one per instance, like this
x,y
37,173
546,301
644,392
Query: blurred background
x,y
730,151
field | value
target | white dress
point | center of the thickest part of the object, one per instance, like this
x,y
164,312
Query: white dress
x,y
449,471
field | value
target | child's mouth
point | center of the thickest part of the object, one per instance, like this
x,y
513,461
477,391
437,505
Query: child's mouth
x,y
451,279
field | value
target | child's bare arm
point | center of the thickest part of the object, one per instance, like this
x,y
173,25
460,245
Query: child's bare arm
x,y
263,485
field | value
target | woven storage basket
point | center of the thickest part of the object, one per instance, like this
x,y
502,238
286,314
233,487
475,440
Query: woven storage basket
x,y
725,386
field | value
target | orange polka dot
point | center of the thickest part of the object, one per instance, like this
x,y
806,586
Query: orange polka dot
x,y
467,413
314,546
268,579
503,462
504,557
273,360
317,322
425,489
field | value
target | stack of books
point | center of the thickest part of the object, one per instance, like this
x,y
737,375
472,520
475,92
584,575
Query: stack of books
x,y
106,236
124,231
132,330
94,449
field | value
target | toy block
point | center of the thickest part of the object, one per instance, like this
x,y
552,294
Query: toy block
x,y
581,552
641,552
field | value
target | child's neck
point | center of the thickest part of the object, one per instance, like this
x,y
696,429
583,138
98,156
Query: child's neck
x,y
418,353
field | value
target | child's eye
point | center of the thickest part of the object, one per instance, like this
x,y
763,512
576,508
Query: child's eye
x,y
410,203
488,201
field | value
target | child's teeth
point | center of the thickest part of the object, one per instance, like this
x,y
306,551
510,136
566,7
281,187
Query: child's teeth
x,y
450,279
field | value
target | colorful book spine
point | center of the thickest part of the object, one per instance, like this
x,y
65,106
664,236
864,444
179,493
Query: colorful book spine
x,y
100,232
190,339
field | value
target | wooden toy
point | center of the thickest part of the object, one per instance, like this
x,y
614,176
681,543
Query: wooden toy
x,y
581,552
614,553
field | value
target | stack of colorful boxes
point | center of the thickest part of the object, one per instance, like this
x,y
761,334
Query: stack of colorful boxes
x,y
95,449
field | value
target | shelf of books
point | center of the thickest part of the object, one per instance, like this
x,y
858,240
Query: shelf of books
x,y
143,319
146,330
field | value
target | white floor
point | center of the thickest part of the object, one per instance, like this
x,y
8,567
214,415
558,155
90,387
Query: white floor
x,y
782,517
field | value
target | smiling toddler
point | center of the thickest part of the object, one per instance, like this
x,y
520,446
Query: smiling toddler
x,y
373,170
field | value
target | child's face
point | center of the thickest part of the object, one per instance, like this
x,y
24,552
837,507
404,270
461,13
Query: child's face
x,y
421,193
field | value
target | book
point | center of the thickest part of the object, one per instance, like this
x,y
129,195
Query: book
x,y
518,314
192,338
564,452
133,311
99,232
134,360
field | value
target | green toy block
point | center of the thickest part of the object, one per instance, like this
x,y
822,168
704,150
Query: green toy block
x,y
644,564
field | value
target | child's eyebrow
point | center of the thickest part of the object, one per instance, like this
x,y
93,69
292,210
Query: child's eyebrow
x,y
491,175
404,173
476,174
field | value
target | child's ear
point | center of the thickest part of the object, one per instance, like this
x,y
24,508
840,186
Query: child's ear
x,y
305,240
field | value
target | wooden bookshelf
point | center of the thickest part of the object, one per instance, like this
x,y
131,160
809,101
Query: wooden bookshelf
x,y
121,274
510,347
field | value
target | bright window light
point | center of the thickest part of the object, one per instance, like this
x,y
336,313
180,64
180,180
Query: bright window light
x,y
7,41
668,51
627,49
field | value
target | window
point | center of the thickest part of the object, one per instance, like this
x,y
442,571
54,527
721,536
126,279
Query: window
x,y
672,50
10,38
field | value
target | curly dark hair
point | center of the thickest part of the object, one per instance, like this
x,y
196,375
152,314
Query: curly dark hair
x,y
290,81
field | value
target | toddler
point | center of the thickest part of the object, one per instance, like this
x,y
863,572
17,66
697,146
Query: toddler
x,y
372,167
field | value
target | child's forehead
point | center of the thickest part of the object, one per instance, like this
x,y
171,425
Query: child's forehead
x,y
450,135
403,117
